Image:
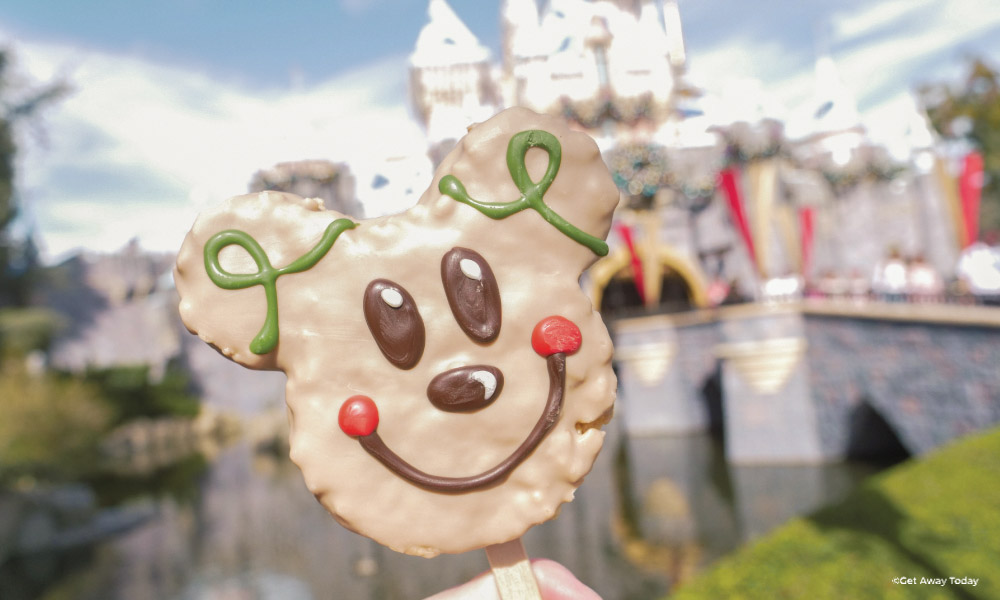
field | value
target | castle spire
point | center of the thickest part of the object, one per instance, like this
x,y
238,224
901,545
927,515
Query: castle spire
x,y
445,40
675,34
450,75
519,22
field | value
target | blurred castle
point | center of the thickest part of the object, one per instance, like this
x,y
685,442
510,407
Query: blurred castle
x,y
612,67
120,309
729,196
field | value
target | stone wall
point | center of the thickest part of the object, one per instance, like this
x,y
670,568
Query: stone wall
x,y
767,401
932,382
817,381
662,369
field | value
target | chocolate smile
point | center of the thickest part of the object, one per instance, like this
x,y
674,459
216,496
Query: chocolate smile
x,y
375,446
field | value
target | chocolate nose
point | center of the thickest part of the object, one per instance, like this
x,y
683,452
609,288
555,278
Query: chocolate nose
x,y
465,389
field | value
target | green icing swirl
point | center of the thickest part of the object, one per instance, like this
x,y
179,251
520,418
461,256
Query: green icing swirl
x,y
266,275
531,193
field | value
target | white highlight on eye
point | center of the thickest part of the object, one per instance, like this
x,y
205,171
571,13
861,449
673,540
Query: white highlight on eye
x,y
392,297
470,269
488,380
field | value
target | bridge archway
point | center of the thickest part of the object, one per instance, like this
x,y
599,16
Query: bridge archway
x,y
669,275
871,437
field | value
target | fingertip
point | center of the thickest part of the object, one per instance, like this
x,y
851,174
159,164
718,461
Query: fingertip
x,y
558,583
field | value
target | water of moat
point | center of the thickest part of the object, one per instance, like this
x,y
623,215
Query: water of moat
x,y
654,511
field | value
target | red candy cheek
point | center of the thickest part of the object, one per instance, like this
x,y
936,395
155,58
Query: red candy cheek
x,y
556,334
358,416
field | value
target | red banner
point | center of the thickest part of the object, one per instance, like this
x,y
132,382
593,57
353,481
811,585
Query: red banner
x,y
970,186
806,229
728,179
637,277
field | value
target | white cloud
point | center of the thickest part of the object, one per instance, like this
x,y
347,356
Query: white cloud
x,y
748,81
198,139
876,16
881,52
98,225
885,70
903,50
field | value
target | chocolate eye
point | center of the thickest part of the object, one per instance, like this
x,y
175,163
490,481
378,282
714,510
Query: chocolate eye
x,y
472,292
395,324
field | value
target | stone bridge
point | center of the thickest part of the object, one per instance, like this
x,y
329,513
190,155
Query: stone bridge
x,y
816,381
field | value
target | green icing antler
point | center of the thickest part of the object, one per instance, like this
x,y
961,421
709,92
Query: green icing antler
x,y
266,275
531,193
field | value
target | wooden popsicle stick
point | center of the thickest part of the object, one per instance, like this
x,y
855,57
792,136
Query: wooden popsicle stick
x,y
512,571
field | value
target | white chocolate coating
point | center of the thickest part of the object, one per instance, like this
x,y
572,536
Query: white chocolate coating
x,y
329,354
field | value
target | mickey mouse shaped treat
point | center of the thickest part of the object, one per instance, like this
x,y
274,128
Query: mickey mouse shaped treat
x,y
447,377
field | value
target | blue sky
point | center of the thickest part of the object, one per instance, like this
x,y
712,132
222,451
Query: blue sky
x,y
176,104
252,43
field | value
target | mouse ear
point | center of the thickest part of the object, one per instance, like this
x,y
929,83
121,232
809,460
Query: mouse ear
x,y
530,176
228,268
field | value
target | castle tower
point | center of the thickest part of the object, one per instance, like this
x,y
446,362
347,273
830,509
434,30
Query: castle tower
x,y
675,36
451,83
606,65
830,124
519,33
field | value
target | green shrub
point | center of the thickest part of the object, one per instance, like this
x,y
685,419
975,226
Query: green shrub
x,y
23,330
51,425
934,517
178,480
48,426
130,394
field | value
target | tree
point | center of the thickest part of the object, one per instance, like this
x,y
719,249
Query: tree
x,y
18,103
970,112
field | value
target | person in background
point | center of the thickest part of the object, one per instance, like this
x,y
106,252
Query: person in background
x,y
979,272
924,284
889,282
858,286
